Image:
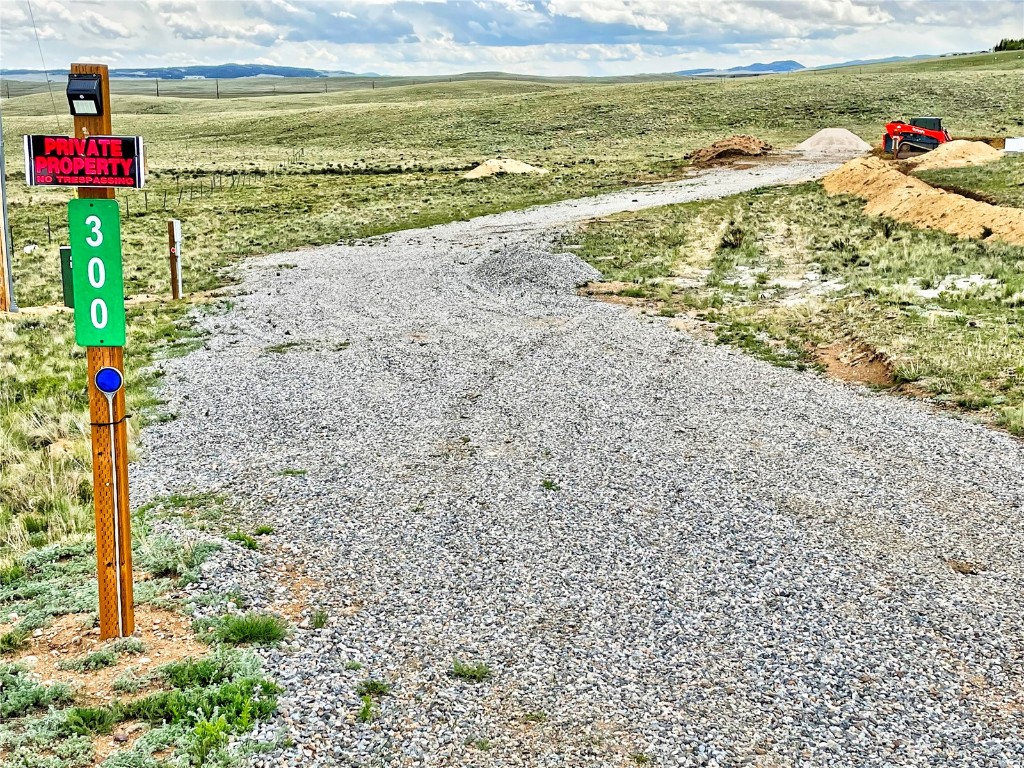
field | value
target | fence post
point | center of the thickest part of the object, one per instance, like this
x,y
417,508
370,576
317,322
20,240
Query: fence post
x,y
174,247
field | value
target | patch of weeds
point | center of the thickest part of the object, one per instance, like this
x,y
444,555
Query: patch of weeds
x,y
20,695
130,645
90,721
11,573
244,539
293,472
640,758
550,485
163,557
482,744
130,682
367,711
263,530
248,629
353,665
280,349
373,688
96,660
208,737
535,717
319,619
474,673
14,640
634,292
242,700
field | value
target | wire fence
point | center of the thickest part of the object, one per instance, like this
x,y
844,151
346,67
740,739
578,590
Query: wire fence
x,y
228,88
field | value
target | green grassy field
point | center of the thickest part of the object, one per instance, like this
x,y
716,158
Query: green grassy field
x,y
788,272
999,183
257,175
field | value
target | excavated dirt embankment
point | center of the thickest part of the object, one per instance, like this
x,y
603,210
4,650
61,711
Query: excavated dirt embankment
x,y
892,193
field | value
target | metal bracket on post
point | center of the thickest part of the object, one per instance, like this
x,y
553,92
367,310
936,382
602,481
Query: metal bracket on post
x,y
109,381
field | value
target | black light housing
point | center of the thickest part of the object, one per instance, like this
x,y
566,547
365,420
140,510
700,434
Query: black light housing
x,y
85,96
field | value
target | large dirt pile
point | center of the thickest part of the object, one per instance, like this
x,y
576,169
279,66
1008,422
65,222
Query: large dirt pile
x,y
498,165
834,142
955,154
734,146
891,193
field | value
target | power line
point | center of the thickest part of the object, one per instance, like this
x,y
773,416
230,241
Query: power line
x,y
46,72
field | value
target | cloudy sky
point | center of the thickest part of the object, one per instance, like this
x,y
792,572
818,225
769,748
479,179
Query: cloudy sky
x,y
551,37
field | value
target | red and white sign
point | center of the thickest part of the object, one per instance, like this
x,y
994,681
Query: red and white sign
x,y
95,161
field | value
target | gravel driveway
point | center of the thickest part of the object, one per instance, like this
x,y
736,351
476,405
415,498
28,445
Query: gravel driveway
x,y
666,553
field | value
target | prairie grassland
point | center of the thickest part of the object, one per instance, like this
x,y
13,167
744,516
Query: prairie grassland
x,y
999,183
257,175
786,272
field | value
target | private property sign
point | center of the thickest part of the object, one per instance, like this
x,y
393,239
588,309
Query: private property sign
x,y
95,161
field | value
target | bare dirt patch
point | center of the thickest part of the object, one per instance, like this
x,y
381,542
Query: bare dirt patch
x,y
889,192
167,637
855,362
734,146
497,166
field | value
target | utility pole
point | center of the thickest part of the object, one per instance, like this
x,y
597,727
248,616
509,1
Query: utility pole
x,y
7,302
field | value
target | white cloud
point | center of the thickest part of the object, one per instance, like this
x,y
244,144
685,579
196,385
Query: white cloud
x,y
544,37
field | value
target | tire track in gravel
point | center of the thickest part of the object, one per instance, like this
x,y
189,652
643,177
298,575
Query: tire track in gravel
x,y
660,547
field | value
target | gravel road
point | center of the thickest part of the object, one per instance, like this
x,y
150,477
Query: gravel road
x,y
667,553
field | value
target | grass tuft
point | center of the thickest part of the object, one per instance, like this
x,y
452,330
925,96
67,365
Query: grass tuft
x,y
473,672
249,629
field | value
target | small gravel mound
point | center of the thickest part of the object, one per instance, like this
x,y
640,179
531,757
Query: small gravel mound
x,y
955,154
497,166
734,146
834,142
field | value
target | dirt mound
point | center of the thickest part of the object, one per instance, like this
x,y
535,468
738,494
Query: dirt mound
x,y
889,192
734,146
497,165
834,142
955,154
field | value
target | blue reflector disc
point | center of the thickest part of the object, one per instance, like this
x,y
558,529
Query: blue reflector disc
x,y
109,380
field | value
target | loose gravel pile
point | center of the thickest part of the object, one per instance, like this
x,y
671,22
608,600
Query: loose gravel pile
x,y
659,549
834,142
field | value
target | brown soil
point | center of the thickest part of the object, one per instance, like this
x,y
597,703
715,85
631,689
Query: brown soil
x,y
167,637
892,193
954,154
498,166
734,146
996,142
855,362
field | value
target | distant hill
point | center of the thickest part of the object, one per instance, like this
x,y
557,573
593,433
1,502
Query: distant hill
x,y
211,72
862,62
757,68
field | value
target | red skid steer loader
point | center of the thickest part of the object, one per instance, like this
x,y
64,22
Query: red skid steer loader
x,y
921,134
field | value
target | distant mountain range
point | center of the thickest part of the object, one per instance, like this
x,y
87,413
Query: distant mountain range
x,y
773,67
232,71
779,67
858,62
212,72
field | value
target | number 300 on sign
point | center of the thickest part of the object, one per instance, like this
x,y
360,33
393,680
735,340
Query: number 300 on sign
x,y
95,227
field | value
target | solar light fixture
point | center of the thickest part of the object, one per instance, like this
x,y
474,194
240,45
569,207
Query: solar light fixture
x,y
85,96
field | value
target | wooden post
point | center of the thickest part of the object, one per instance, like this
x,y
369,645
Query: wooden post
x,y
174,249
7,302
110,480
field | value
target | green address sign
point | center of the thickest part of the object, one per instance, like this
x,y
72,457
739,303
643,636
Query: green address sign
x,y
95,227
